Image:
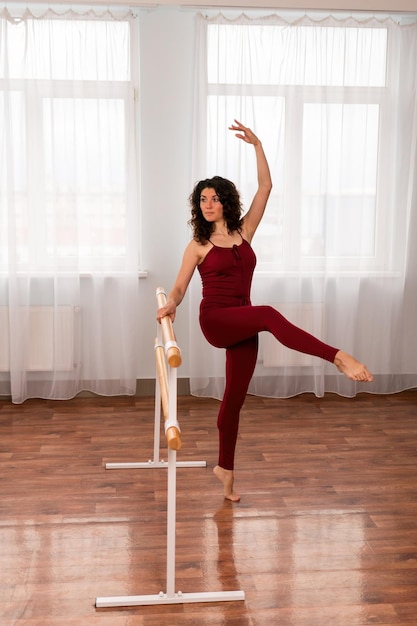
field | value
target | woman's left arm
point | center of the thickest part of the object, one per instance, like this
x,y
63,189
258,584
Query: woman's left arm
x,y
257,208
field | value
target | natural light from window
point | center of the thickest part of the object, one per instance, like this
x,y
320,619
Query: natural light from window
x,y
68,90
319,97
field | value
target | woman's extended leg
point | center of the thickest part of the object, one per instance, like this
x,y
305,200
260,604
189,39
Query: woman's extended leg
x,y
240,365
224,327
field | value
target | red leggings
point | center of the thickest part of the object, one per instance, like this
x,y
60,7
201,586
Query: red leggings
x,y
236,329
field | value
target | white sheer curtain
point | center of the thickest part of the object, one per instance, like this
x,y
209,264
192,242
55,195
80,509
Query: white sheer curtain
x,y
68,206
334,103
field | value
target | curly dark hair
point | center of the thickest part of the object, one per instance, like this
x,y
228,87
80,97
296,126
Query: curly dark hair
x,y
232,207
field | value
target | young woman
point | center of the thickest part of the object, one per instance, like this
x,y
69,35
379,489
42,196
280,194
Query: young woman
x,y
221,251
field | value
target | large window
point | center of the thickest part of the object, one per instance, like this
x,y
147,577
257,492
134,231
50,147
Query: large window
x,y
67,144
320,98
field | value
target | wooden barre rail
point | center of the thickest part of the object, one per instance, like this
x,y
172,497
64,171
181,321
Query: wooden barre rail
x,y
172,350
168,352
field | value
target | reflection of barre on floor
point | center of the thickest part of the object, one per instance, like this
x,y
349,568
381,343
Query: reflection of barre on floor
x,y
166,384
166,352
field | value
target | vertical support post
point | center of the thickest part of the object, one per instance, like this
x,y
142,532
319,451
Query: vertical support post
x,y
172,487
171,522
157,422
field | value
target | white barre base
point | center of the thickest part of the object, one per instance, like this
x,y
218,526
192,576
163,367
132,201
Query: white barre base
x,y
153,464
162,598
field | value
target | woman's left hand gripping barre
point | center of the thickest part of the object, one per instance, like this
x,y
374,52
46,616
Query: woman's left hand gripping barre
x,y
168,310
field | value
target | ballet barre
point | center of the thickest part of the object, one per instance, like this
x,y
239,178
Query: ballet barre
x,y
172,350
168,359
167,351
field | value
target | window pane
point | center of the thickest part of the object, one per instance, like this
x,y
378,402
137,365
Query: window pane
x,y
339,179
13,178
85,176
296,55
66,148
332,82
67,50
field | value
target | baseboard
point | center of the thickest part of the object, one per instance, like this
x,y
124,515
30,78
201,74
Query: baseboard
x,y
146,387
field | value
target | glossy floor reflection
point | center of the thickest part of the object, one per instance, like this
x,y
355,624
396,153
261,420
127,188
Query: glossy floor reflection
x,y
325,533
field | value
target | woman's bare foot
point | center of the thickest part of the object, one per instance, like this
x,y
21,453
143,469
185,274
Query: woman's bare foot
x,y
352,368
226,477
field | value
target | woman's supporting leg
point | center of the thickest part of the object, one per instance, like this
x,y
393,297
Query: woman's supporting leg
x,y
240,365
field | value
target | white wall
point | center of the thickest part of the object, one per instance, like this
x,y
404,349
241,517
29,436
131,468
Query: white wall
x,y
166,94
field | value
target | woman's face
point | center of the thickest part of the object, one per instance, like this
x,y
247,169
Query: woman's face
x,y
210,205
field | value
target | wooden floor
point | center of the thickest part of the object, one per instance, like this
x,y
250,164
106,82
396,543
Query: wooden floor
x,y
325,533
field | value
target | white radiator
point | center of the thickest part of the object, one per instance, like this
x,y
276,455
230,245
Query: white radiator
x,y
49,334
306,315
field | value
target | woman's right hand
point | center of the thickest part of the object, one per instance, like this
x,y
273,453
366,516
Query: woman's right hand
x,y
168,310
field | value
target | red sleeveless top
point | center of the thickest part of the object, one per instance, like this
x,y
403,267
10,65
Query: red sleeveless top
x,y
226,275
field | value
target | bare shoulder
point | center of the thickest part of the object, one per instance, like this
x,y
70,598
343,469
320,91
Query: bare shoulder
x,y
197,251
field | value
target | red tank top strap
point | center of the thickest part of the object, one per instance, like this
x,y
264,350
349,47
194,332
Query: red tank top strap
x,y
213,244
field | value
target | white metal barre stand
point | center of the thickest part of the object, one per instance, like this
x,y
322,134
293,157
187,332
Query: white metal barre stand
x,y
170,596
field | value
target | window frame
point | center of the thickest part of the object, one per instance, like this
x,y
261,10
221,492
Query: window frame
x,y
295,98
35,91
